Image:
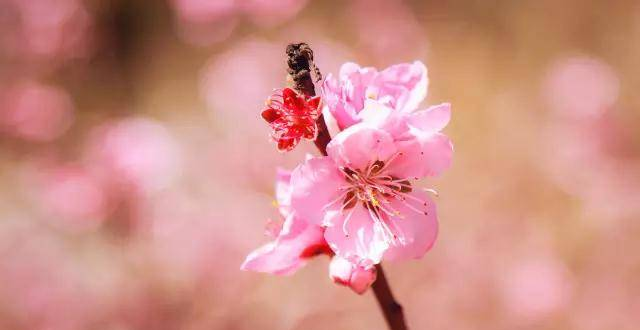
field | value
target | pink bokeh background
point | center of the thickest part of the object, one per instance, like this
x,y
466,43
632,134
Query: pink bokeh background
x,y
136,173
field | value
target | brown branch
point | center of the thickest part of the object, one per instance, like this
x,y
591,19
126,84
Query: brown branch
x,y
301,66
391,309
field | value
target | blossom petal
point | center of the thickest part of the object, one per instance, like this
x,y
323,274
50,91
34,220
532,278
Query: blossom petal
x,y
283,191
314,184
401,87
344,97
418,230
287,143
292,100
423,155
360,145
357,77
431,120
438,152
381,116
289,251
347,69
270,115
353,235
375,113
344,115
362,279
413,82
357,277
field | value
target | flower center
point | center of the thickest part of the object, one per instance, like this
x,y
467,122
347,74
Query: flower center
x,y
376,191
372,188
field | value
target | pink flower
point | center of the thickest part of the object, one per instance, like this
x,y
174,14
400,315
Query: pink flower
x,y
295,241
401,87
358,277
293,246
292,117
363,191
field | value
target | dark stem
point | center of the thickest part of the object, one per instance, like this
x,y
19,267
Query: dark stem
x,y
301,67
391,309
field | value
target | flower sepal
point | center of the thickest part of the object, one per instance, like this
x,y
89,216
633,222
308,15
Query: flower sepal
x,y
292,117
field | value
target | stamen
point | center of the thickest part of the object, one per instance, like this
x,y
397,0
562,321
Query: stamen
x,y
433,191
390,237
375,168
391,211
390,160
374,200
413,208
411,197
377,190
346,221
399,233
349,201
339,198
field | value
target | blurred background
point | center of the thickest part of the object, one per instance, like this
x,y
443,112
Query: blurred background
x,y
136,172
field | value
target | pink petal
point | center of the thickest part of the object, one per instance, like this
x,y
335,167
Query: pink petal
x,y
413,80
358,278
283,191
347,69
357,77
287,253
422,156
344,115
344,97
359,239
360,145
418,230
340,270
379,115
432,120
401,87
361,279
438,151
375,113
314,184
